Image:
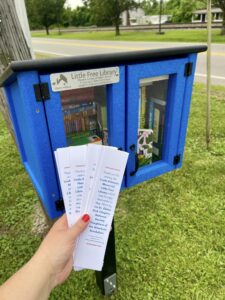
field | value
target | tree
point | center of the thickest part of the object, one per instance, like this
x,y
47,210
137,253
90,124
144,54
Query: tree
x,y
34,21
59,6
151,7
181,10
67,17
81,16
108,12
45,12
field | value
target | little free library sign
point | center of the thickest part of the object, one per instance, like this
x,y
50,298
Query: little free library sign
x,y
85,78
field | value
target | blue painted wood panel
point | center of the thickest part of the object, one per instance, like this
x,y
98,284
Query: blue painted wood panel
x,y
30,125
192,58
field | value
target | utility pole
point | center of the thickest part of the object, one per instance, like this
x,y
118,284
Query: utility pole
x,y
160,17
208,106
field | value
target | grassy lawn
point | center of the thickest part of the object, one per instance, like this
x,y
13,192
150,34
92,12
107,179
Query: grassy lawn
x,y
170,231
188,35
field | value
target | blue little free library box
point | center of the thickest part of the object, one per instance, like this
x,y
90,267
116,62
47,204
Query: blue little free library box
x,y
136,101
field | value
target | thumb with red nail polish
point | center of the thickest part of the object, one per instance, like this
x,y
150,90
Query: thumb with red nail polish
x,y
57,248
86,218
79,226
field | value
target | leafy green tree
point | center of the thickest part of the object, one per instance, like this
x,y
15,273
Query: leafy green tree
x,y
59,9
34,21
45,12
181,10
67,17
81,16
151,7
107,12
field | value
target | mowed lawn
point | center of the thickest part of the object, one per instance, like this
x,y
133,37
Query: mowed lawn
x,y
187,35
170,231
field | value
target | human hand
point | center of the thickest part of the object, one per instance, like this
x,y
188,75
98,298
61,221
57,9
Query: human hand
x,y
50,265
56,250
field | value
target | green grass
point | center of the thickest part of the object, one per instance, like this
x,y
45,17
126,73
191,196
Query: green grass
x,y
170,231
39,55
188,35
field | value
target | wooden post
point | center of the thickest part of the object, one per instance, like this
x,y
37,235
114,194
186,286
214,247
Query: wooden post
x,y
208,106
13,46
160,17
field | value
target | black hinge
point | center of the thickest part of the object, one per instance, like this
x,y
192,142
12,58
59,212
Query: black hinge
x,y
188,69
176,159
59,205
41,91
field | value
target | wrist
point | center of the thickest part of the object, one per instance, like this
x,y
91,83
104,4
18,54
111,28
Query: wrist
x,y
32,281
40,263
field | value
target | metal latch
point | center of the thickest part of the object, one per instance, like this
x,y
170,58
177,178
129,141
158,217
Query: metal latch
x,y
59,205
41,91
176,159
188,69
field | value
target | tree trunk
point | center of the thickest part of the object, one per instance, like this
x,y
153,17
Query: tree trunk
x,y
13,46
59,29
47,30
117,28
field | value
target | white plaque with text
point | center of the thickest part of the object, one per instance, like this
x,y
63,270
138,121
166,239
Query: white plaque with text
x,y
85,78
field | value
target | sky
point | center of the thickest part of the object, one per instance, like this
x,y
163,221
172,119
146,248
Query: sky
x,y
74,3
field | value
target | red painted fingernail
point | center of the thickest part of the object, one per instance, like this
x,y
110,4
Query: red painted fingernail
x,y
86,218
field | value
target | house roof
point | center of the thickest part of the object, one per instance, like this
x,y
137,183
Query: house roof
x,y
204,11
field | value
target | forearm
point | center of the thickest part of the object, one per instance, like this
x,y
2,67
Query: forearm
x,y
49,267
31,282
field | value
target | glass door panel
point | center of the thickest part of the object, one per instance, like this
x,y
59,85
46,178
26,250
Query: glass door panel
x,y
85,115
152,110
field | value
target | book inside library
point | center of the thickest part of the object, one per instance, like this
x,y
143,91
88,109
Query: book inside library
x,y
152,110
85,115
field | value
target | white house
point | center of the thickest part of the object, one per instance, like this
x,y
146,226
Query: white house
x,y
156,19
200,16
135,16
138,17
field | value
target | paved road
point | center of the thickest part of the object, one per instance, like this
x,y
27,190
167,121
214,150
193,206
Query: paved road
x,y
79,47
